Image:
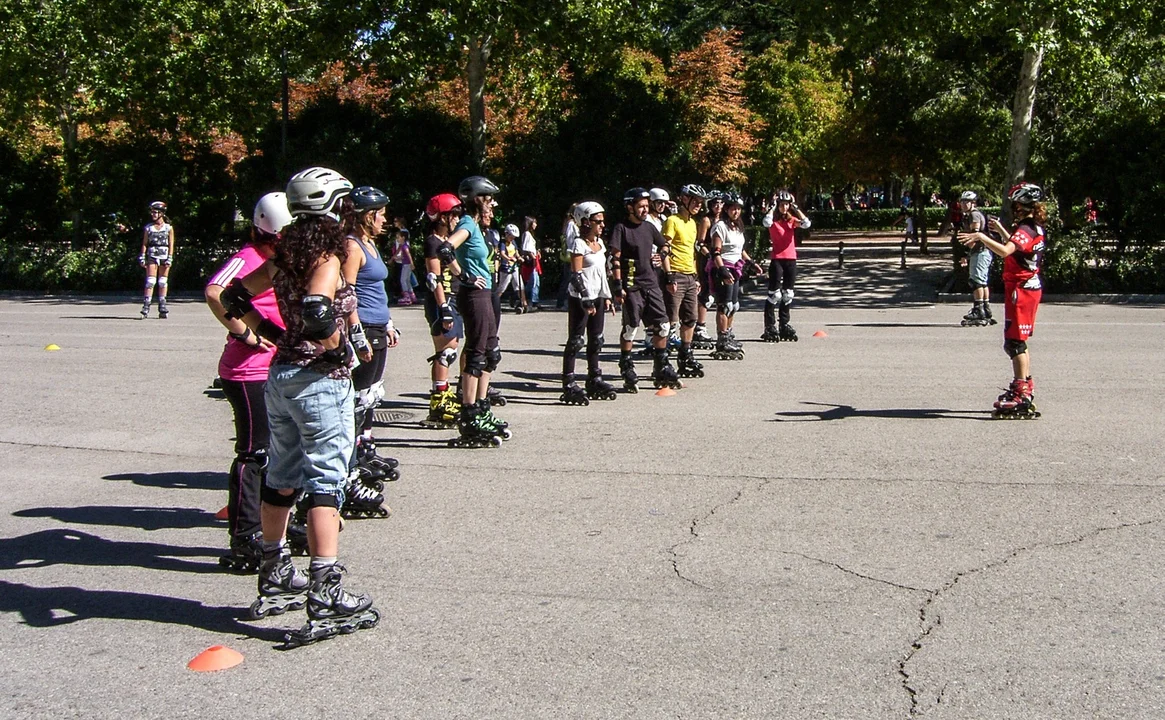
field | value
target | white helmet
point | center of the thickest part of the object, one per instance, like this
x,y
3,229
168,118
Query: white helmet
x,y
512,230
315,192
271,213
586,211
659,194
969,196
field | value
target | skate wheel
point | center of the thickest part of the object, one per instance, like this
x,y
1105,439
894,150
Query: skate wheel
x,y
453,443
382,512
394,475
495,441
508,433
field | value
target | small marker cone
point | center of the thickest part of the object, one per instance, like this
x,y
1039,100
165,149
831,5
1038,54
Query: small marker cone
x,y
218,657
52,347
223,514
820,333
665,392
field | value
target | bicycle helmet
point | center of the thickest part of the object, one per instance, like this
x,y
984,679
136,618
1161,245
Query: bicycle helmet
x,y
586,211
475,185
969,196
367,198
1026,194
784,196
635,194
440,204
271,214
693,191
658,194
315,191
731,198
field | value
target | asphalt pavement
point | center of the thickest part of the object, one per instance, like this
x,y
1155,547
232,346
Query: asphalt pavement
x,y
833,528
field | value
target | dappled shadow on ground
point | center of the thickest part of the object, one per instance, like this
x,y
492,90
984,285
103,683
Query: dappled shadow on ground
x,y
53,606
893,325
70,547
176,480
830,411
145,518
102,317
861,284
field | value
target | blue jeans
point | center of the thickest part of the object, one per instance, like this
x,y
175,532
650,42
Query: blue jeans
x,y
313,433
532,294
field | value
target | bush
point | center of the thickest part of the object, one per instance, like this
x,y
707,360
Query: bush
x,y
878,219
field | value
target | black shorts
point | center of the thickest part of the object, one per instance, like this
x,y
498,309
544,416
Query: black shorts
x,y
644,303
727,292
477,314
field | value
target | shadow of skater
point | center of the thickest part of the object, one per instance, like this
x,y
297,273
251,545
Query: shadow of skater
x,y
53,606
71,547
146,518
202,480
842,412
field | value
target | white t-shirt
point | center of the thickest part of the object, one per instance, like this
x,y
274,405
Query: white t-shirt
x,y
732,242
528,243
656,221
571,233
594,270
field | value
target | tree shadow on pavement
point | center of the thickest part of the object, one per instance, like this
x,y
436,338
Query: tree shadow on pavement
x,y
54,606
145,518
66,546
842,412
202,480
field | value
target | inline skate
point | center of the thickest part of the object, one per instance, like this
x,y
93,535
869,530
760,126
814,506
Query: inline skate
x,y
163,311
1017,402
245,556
500,427
771,335
361,501
443,409
664,375
787,333
701,340
687,365
598,388
474,430
332,610
282,587
977,317
731,332
380,468
727,349
572,394
495,397
627,370
145,309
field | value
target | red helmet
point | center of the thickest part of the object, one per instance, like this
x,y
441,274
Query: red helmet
x,y
443,203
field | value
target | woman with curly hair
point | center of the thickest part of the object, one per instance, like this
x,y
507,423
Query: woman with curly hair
x,y
310,409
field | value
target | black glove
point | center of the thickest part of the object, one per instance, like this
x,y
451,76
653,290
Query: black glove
x,y
445,313
616,286
724,273
341,355
672,278
588,304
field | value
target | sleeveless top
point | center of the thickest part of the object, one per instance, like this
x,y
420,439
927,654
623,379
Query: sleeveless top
x,y
371,297
158,240
293,348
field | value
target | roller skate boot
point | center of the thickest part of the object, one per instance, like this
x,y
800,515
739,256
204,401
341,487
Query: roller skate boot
x,y
163,311
282,586
500,427
474,431
726,349
383,468
664,375
1017,402
145,309
245,556
771,335
975,318
361,501
627,370
443,410
599,389
687,366
572,394
987,314
731,332
787,333
495,397
701,340
332,610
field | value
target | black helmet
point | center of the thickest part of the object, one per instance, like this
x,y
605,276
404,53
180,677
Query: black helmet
x,y
475,185
731,198
367,198
635,194
692,190
784,196
1026,194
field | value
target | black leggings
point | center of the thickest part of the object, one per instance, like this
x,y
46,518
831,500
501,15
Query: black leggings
x,y
581,324
368,374
251,436
782,274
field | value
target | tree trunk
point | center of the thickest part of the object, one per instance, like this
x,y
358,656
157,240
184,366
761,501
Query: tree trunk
x,y
68,129
479,50
919,213
1021,115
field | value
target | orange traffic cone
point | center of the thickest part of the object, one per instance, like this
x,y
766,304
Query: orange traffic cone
x,y
665,392
820,333
218,657
223,514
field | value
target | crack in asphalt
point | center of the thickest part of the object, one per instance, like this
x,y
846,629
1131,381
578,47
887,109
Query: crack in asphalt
x,y
930,620
694,535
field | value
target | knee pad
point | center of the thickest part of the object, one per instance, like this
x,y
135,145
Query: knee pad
x,y
377,393
629,333
163,281
1014,347
321,500
493,358
445,358
271,496
787,296
595,344
663,330
775,297
474,362
574,343
733,307
151,281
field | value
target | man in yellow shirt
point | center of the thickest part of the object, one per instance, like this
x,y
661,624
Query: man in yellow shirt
x,y
683,282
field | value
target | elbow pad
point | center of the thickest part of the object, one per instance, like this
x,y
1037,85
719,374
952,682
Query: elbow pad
x,y
576,282
236,299
445,253
319,321
431,281
665,250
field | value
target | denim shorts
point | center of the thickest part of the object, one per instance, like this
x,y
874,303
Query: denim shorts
x,y
978,267
313,433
